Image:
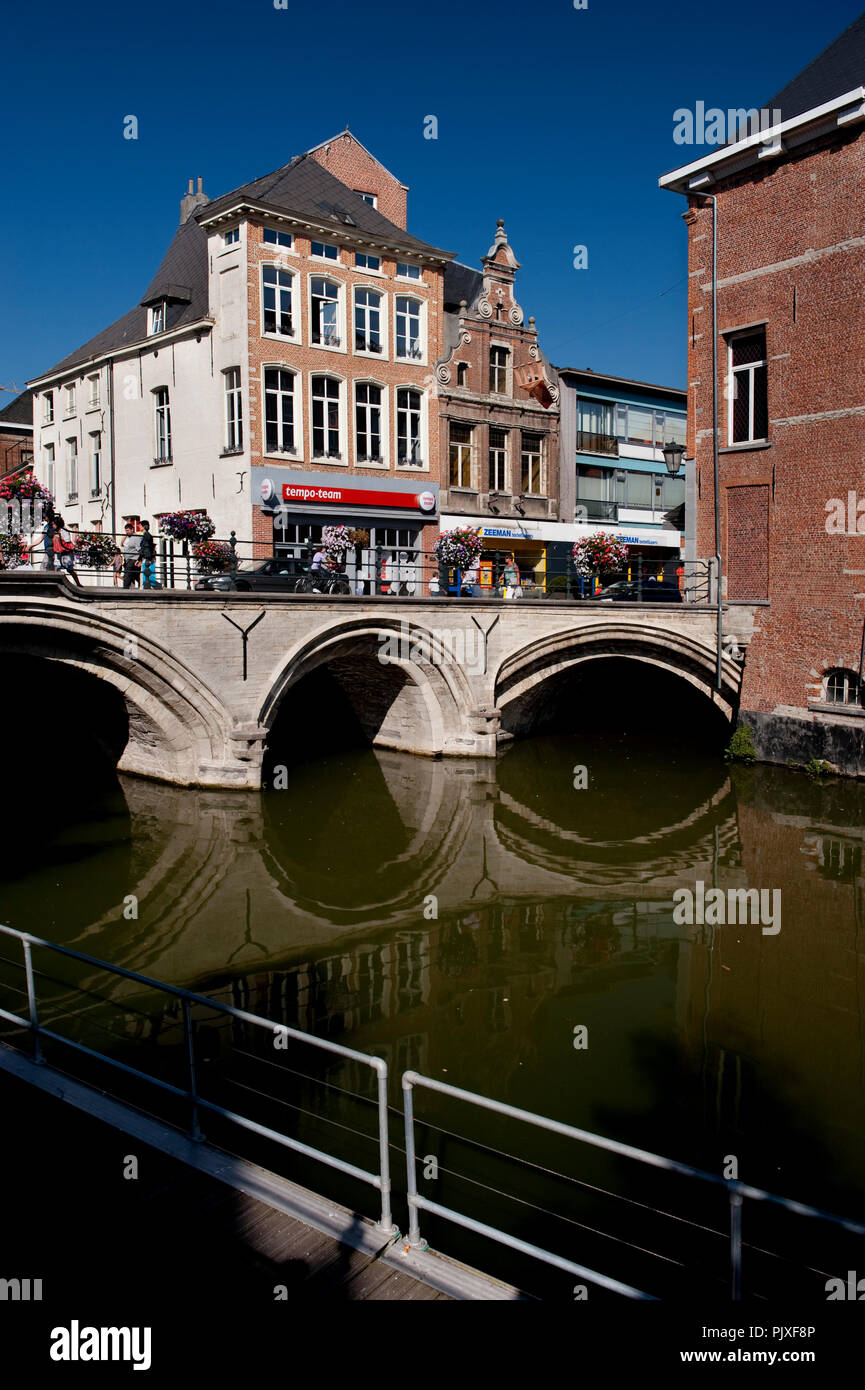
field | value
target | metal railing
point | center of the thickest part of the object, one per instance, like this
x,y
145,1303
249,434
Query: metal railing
x,y
590,443
394,571
736,1191
190,1093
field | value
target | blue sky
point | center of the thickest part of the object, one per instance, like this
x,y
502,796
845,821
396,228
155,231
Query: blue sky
x,y
558,120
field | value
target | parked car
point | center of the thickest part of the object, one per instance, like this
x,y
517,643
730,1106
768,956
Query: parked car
x,y
630,591
279,575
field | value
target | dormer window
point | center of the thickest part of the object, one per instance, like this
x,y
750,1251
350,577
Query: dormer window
x,y
157,318
368,198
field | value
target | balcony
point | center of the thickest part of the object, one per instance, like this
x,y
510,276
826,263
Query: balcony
x,y
592,509
606,444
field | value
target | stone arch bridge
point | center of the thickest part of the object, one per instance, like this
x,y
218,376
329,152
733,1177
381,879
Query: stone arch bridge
x,y
203,676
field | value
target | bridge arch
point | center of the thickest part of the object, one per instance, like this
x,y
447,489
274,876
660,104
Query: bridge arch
x,y
523,674
178,731
401,679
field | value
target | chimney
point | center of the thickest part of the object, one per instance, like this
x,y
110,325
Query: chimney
x,y
191,201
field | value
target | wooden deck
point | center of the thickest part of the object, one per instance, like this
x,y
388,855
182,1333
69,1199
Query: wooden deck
x,y
72,1219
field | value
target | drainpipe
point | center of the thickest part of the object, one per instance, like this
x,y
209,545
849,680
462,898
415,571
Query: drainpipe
x,y
712,198
111,447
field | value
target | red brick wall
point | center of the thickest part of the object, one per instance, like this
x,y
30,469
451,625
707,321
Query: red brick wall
x,y
803,217
347,160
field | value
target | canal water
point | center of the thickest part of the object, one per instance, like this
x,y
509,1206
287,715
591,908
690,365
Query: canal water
x,y
508,927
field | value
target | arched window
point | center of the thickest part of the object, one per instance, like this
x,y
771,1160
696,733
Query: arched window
x,y
843,687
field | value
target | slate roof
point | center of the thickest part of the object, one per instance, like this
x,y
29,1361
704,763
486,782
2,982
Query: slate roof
x,y
18,411
183,271
312,193
838,69
301,187
461,282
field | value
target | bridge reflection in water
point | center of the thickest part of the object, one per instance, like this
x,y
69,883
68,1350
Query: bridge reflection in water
x,y
462,918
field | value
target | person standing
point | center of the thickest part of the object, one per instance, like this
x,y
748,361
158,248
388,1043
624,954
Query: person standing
x,y
511,578
64,548
131,562
48,541
147,556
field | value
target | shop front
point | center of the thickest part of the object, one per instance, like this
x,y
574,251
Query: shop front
x,y
529,543
395,523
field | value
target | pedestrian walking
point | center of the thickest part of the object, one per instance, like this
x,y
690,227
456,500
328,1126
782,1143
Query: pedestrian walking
x,y
147,556
64,548
131,562
48,541
511,578
117,565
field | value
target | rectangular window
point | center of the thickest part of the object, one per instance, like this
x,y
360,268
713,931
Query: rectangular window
x,y
233,237
669,429
499,370
596,427
408,406
276,290
322,248
93,392
48,408
157,318
408,340
641,426
278,411
462,373
233,410
324,304
367,417
531,480
638,489
367,321
273,238
365,262
498,460
48,457
72,469
748,387
406,271
69,400
368,198
95,464
460,455
325,418
162,420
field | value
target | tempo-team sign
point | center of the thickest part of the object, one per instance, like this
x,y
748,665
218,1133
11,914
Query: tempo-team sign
x,y
348,496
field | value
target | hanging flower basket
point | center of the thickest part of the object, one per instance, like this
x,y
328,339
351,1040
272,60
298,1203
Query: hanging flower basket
x,y
335,541
12,548
212,557
94,548
602,553
186,526
459,547
23,487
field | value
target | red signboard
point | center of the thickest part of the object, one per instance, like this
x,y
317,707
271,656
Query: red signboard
x,y
357,497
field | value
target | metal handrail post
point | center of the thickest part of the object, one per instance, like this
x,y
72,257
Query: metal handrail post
x,y
736,1246
31,1003
414,1235
386,1222
194,1129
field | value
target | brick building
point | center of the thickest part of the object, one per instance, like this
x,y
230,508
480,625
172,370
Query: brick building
x,y
285,346
790,205
498,417
16,434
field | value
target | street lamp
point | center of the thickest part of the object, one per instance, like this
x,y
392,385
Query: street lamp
x,y
673,454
